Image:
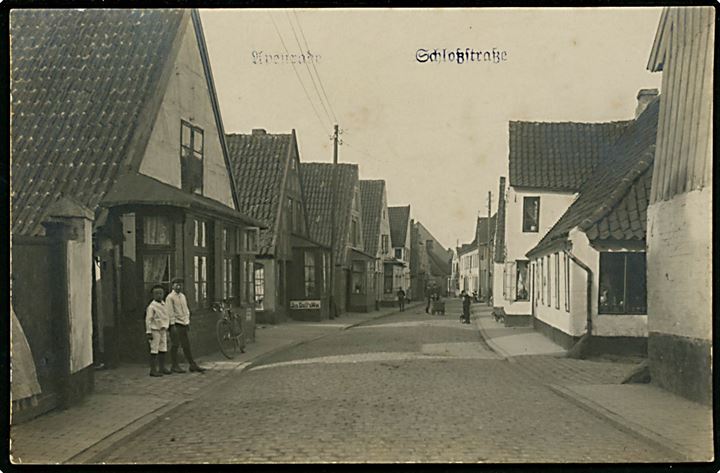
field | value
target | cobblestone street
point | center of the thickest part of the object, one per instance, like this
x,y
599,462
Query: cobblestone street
x,y
405,388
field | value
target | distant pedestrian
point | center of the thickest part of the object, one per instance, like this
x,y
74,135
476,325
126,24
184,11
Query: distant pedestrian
x,y
401,299
466,309
157,322
179,312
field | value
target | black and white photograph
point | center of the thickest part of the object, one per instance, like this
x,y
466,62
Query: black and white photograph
x,y
360,235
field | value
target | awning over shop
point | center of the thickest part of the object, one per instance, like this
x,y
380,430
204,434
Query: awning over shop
x,y
138,189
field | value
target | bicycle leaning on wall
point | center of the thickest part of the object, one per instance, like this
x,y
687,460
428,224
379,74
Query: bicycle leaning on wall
x,y
229,330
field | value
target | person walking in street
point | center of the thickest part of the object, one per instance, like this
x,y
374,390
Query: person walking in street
x,y
466,309
401,299
179,313
157,322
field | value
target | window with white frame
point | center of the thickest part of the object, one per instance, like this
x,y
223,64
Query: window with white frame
x,y
259,287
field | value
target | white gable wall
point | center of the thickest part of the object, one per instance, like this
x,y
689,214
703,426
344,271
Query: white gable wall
x,y
517,243
187,98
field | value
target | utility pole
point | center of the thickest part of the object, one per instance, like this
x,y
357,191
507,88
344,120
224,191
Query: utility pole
x,y
333,189
487,249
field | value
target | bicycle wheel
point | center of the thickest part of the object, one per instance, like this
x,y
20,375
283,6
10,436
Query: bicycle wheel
x,y
226,340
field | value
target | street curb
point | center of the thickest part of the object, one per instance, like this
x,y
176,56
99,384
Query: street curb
x,y
104,445
493,346
619,422
97,451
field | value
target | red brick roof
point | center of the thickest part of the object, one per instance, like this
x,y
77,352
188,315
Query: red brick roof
x,y
558,155
317,182
80,80
612,204
371,193
259,162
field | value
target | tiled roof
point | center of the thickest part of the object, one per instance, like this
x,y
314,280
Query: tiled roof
x,y
612,204
259,162
439,259
481,234
371,195
499,244
558,156
399,218
80,81
317,181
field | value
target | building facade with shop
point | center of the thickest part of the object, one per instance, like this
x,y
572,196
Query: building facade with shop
x,y
548,163
148,162
136,186
401,241
334,210
588,273
290,268
376,230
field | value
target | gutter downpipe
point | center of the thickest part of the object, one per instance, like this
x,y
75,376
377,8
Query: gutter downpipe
x,y
580,349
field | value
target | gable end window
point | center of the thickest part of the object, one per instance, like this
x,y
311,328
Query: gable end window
x,y
531,214
192,145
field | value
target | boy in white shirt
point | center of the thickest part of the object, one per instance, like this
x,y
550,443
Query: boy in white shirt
x,y
179,312
157,322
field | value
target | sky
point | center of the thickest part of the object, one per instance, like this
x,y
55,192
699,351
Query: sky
x,y
436,132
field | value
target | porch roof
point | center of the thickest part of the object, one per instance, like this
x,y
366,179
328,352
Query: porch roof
x,y
138,189
298,241
359,254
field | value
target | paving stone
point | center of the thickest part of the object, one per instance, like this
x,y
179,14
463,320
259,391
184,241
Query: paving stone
x,y
408,410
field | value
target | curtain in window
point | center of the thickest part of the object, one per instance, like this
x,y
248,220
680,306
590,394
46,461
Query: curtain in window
x,y
156,231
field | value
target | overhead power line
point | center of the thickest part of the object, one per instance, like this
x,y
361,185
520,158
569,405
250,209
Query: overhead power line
x,y
307,95
312,78
307,46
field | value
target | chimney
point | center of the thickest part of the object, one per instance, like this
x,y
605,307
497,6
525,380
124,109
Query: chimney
x,y
259,132
644,97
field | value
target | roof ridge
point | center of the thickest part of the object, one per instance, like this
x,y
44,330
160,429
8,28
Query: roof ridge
x,y
626,183
570,122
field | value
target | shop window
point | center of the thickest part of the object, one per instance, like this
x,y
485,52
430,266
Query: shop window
x,y
309,274
249,280
259,287
326,271
622,283
548,265
230,265
191,157
388,279
358,277
157,252
157,231
521,285
202,260
531,214
156,270
567,282
544,280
